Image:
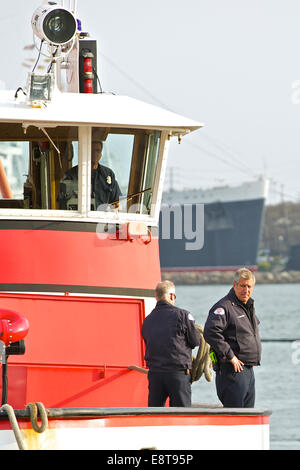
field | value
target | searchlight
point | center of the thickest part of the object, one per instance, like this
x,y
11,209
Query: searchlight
x,y
56,27
54,24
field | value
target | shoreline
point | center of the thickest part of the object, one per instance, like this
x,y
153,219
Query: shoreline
x,y
225,277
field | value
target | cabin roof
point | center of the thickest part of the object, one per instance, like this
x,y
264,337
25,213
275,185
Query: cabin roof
x,y
94,110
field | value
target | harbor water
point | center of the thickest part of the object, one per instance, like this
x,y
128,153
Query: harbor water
x,y
278,376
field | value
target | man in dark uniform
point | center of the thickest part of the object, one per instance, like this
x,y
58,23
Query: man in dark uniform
x,y
170,335
231,330
105,187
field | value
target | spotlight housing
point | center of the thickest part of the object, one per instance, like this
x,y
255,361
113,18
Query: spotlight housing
x,y
54,24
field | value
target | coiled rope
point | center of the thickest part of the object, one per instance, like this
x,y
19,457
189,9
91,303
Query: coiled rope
x,y
33,409
202,362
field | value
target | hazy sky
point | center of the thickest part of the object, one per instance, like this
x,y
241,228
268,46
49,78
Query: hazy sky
x,y
232,64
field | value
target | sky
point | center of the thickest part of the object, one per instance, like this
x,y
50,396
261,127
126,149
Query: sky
x,y
233,65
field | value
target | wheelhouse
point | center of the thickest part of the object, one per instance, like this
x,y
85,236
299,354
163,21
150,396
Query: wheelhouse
x,y
38,146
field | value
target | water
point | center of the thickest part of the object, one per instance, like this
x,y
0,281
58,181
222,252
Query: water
x,y
278,377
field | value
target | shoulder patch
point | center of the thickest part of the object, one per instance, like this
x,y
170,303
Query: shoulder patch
x,y
219,311
190,317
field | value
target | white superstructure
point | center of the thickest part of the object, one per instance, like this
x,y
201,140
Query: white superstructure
x,y
247,191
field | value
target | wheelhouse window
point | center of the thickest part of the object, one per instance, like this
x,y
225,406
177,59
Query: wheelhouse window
x,y
40,169
123,164
32,164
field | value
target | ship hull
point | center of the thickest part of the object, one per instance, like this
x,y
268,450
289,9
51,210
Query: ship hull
x,y
231,235
143,428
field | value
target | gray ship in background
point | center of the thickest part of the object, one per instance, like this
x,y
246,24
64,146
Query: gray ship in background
x,y
232,220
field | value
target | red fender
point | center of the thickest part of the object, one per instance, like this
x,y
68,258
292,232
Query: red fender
x,y
13,326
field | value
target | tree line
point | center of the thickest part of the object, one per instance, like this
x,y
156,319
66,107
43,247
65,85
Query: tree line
x,y
281,229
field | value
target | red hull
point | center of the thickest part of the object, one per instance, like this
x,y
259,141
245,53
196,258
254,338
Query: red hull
x,y
79,347
77,258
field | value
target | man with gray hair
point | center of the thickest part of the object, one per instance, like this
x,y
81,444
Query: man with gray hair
x,y
170,335
231,329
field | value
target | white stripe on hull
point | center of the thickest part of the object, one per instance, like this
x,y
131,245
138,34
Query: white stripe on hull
x,y
241,437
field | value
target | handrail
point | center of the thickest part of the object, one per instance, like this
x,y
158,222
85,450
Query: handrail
x,y
79,366
138,369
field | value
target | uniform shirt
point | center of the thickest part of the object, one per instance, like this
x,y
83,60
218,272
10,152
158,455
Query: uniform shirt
x,y
104,184
170,335
232,329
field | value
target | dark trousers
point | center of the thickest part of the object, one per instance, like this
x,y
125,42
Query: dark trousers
x,y
173,384
235,389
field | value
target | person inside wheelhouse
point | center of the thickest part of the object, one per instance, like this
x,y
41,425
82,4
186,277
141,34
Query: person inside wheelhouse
x,y
105,188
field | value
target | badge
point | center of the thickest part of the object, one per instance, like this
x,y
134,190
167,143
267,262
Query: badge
x,y
219,311
108,179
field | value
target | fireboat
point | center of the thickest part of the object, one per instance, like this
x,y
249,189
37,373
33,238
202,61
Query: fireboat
x,y
78,277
